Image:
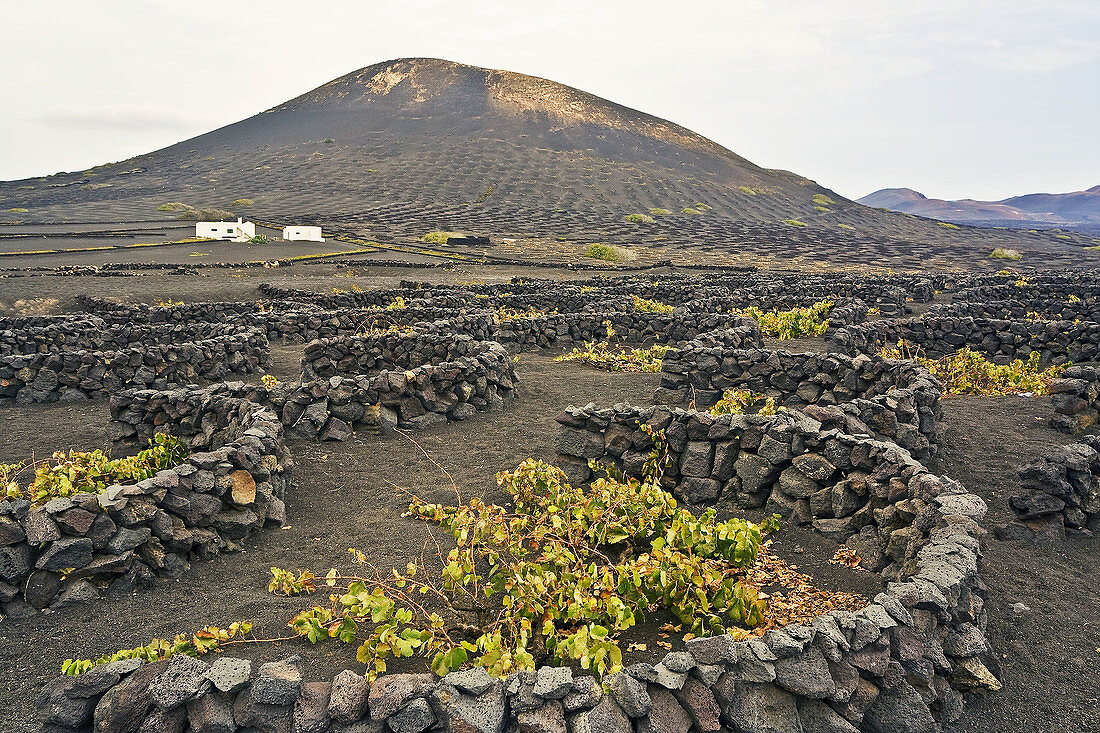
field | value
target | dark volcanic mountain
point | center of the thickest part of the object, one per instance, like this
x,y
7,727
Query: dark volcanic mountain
x,y
403,147
1078,208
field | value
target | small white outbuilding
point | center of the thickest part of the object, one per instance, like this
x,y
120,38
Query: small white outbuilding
x,y
234,231
302,234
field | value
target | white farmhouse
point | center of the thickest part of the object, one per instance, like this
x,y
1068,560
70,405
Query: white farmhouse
x,y
238,231
302,234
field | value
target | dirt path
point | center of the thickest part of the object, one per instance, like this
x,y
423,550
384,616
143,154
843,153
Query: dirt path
x,y
1050,654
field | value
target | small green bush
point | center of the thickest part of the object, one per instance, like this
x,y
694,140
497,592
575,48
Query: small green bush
x,y
821,199
439,237
639,218
658,211
206,215
795,222
1003,253
690,211
174,206
747,190
259,239
644,305
605,252
947,225
17,210
242,202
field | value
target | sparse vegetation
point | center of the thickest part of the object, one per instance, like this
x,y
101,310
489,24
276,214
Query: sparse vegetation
x,y
174,206
602,355
967,372
645,305
1003,253
657,211
947,225
821,199
259,239
639,219
17,210
795,222
689,210
793,323
206,215
743,402
239,203
605,252
439,237
88,471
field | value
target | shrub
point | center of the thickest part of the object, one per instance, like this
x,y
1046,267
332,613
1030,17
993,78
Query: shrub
x,y
690,210
748,191
947,225
821,199
259,239
968,372
606,252
89,471
174,206
650,306
439,237
639,219
657,211
397,304
538,579
793,323
242,203
795,222
206,215
1003,253
511,314
17,210
602,355
744,401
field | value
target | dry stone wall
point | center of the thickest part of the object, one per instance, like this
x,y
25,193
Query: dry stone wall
x,y
78,374
895,400
1056,341
1076,399
78,548
1063,484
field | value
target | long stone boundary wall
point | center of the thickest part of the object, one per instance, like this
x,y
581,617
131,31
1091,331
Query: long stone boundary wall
x,y
1076,399
896,400
77,548
1063,483
563,329
78,375
94,334
1056,341
1047,308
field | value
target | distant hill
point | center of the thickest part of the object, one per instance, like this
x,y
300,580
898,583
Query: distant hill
x,y
399,148
1073,210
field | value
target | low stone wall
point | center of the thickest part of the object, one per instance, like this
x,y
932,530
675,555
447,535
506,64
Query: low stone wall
x,y
925,642
77,548
1019,309
1064,484
370,354
91,333
329,409
895,400
78,375
1056,341
1076,399
565,329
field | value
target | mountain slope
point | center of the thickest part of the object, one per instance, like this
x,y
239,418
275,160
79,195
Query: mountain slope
x,y
403,147
1075,208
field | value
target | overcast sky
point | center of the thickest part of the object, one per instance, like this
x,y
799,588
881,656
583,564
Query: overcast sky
x,y
966,98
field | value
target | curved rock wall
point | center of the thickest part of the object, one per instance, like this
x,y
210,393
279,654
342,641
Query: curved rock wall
x,y
1056,341
77,375
894,400
77,548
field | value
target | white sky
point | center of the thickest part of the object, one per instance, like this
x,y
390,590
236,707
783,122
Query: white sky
x,y
955,98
